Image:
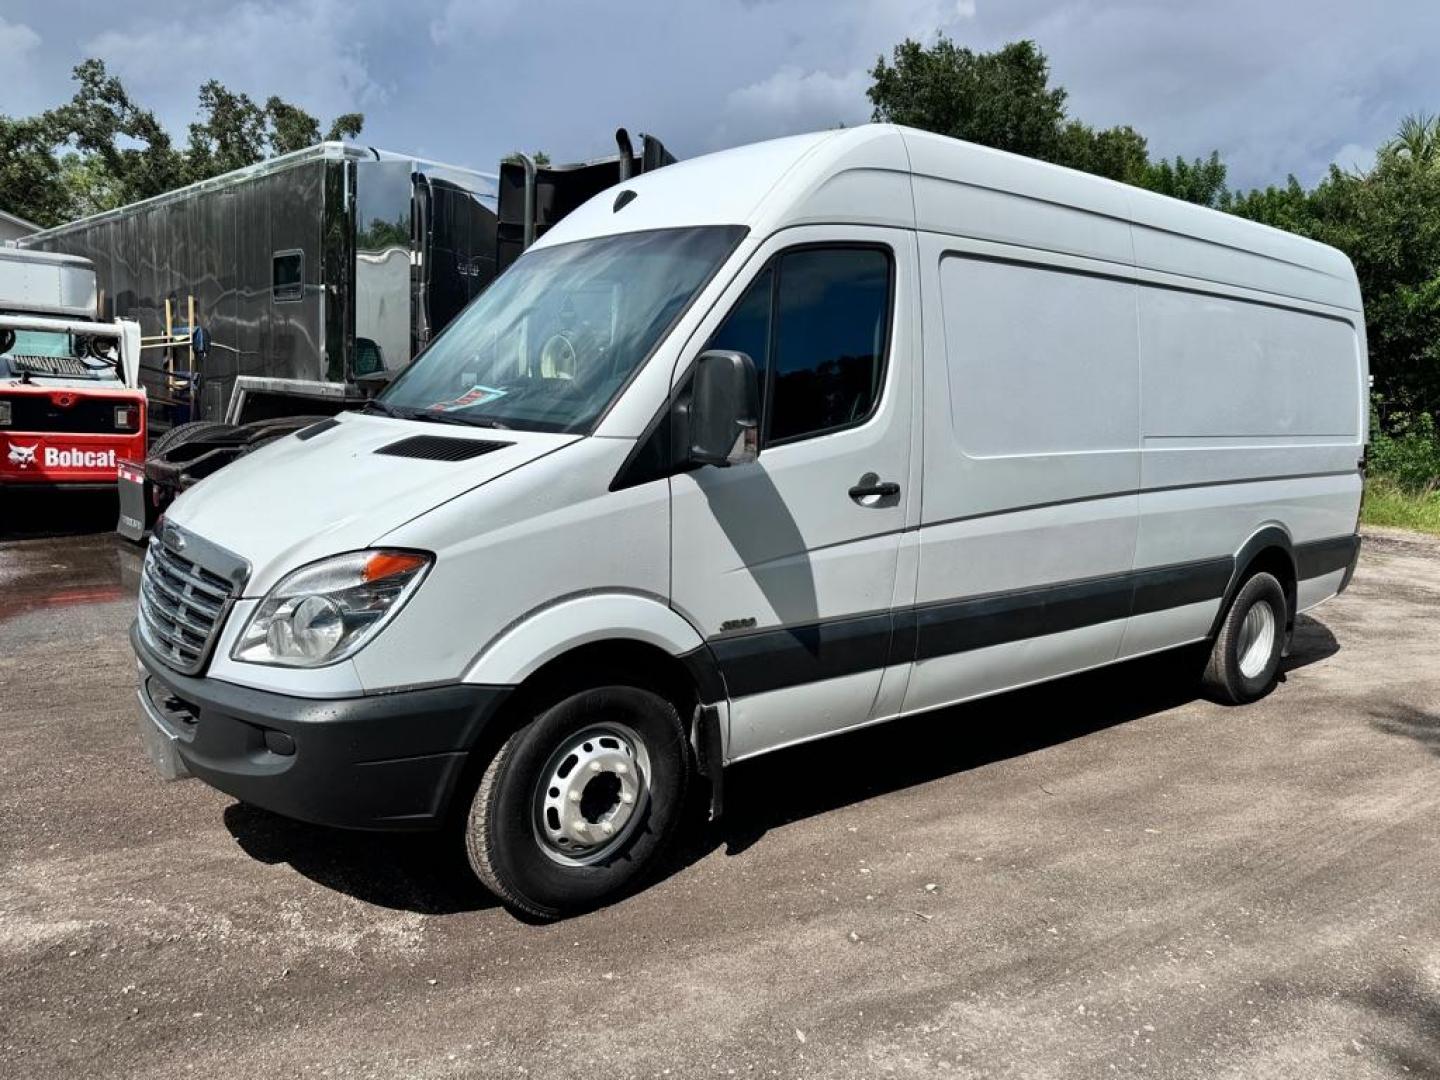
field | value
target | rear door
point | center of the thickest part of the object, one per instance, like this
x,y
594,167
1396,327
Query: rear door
x,y
789,565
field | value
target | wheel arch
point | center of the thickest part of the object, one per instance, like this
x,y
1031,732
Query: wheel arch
x,y
549,633
586,640
1271,549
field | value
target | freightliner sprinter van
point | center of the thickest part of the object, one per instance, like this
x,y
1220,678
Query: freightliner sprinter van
x,y
762,447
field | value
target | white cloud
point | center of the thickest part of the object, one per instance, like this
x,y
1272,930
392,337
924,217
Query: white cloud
x,y
16,40
308,54
1353,157
466,20
794,100
18,48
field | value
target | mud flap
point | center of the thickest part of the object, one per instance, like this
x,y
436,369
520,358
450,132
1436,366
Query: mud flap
x,y
709,755
135,508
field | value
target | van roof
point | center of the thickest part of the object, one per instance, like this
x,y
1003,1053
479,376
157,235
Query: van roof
x,y
883,174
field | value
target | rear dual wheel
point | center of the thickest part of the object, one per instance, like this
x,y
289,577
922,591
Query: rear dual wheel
x,y
1244,660
579,805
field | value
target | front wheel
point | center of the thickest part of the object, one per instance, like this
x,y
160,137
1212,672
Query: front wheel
x,y
1245,656
580,803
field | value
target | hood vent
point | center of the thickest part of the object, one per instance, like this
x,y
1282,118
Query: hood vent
x,y
317,429
439,448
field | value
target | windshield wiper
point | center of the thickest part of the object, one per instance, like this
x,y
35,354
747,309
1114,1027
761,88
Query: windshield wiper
x,y
376,405
434,417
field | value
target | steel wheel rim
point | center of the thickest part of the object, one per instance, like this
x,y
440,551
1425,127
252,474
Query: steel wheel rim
x,y
591,794
1257,639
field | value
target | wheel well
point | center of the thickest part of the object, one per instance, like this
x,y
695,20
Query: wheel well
x,y
623,661
601,663
1279,563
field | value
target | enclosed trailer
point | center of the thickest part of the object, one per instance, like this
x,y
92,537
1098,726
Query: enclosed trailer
x,y
307,272
294,289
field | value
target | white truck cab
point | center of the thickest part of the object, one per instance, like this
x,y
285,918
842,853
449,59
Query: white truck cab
x,y
758,448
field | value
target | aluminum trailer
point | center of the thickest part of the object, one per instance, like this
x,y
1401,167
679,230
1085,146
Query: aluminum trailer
x,y
315,277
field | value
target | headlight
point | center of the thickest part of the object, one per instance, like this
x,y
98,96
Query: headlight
x,y
326,611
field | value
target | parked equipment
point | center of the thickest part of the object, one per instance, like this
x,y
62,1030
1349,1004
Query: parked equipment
x,y
312,278
782,442
70,408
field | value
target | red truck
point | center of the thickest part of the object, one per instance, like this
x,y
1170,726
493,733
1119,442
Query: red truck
x,y
70,409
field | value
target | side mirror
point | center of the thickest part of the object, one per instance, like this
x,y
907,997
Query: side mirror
x,y
721,421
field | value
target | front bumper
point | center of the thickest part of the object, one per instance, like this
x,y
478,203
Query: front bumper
x,y
383,761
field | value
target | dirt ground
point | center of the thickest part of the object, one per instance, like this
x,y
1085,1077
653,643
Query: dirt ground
x,y
1103,877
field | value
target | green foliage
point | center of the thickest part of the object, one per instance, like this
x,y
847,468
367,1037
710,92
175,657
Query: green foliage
x,y
1408,455
1201,180
30,181
1390,505
101,149
1001,99
1004,99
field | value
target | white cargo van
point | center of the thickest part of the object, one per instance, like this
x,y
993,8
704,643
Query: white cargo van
x,y
758,448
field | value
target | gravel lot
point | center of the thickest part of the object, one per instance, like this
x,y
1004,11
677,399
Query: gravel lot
x,y
1098,878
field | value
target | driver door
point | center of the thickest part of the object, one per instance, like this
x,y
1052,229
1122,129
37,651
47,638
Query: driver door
x,y
789,565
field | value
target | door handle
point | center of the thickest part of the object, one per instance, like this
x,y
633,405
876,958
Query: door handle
x,y
871,485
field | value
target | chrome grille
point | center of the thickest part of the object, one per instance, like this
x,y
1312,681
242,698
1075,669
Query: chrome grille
x,y
182,603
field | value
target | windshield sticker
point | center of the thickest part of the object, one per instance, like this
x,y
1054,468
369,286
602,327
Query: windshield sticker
x,y
476,395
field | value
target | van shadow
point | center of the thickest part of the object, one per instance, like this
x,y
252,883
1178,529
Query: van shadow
x,y
419,872
757,521
816,778
424,872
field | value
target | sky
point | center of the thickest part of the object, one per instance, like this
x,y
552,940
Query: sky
x,y
1277,86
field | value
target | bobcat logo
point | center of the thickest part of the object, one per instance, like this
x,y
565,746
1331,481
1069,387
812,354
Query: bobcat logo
x,y
22,457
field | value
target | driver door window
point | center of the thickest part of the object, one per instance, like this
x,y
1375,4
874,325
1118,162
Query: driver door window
x,y
815,321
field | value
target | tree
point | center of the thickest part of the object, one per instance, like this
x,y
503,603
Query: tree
x,y
30,183
1001,99
101,149
1004,99
540,157
97,119
230,134
1199,181
1119,153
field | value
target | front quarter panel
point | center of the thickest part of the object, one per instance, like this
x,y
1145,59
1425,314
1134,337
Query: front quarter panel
x,y
549,531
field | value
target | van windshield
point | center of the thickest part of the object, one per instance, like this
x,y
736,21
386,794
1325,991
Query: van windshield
x,y
553,340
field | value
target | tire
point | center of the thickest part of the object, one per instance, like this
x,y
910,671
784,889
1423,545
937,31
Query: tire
x,y
1244,660
534,831
184,432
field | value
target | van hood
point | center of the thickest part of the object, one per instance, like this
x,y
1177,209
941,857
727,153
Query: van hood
x,y
301,499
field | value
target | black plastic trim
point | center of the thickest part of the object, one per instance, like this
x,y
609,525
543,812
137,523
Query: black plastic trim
x,y
1270,537
768,660
383,761
704,670
1316,558
771,659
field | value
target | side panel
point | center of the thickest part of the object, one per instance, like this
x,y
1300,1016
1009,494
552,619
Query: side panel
x,y
1253,414
1031,467
297,331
